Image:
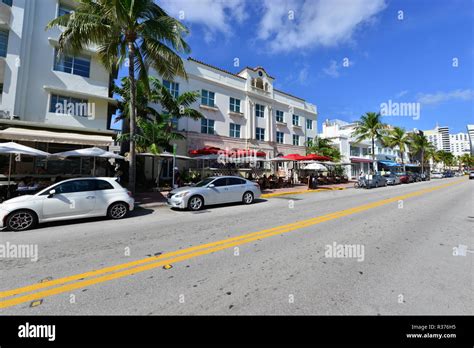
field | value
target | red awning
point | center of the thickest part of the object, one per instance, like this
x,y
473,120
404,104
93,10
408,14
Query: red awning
x,y
315,157
294,157
360,160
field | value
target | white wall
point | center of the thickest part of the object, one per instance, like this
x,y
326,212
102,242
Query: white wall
x,y
24,90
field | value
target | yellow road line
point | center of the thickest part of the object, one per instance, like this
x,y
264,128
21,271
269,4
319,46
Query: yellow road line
x,y
211,248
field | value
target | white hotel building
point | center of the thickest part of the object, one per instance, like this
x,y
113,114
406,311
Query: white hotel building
x,y
458,144
33,80
243,110
356,156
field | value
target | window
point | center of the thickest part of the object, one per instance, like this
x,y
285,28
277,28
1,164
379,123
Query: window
x,y
355,151
1,89
207,98
68,105
296,120
103,185
259,110
296,140
220,182
174,123
234,105
279,137
75,186
235,181
279,116
207,126
172,87
234,130
63,9
8,2
309,124
3,42
309,141
78,65
260,133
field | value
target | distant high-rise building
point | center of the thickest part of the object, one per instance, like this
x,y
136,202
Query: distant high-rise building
x,y
470,132
439,137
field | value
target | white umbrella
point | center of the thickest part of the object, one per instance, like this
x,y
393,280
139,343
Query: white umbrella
x,y
88,152
12,148
315,166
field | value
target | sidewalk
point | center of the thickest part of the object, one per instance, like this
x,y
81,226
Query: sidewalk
x,y
157,199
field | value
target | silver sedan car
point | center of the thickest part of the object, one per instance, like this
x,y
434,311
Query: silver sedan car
x,y
214,190
392,179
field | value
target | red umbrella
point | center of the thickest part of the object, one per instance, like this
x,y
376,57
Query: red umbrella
x,y
314,157
294,157
207,150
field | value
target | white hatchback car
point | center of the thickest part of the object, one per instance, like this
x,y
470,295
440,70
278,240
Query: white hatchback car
x,y
66,200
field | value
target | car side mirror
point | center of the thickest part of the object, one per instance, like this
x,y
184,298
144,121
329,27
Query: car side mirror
x,y
51,193
211,185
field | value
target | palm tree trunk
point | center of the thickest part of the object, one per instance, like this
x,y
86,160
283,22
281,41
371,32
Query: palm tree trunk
x,y
373,154
403,161
132,158
422,162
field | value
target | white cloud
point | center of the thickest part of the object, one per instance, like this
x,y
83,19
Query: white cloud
x,y
214,15
332,70
303,75
315,23
439,97
401,93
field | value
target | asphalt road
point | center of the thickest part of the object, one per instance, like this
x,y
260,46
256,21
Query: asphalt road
x,y
407,265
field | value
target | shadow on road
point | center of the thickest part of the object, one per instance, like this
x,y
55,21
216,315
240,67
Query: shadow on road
x,y
137,212
208,208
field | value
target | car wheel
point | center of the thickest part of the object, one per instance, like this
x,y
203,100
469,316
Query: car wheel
x,y
195,203
117,210
21,220
247,197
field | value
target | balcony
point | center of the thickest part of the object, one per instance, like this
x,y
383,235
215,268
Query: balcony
x,y
5,13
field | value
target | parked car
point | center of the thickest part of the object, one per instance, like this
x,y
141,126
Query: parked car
x,y
448,174
376,180
392,179
214,190
436,175
425,177
416,177
66,200
471,174
405,178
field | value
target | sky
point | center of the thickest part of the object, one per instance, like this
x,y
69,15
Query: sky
x,y
347,57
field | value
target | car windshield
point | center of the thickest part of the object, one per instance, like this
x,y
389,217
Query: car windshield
x,y
204,182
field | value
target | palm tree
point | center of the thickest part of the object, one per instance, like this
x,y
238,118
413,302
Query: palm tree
x,y
134,33
446,158
420,145
466,160
324,147
431,153
153,125
370,127
397,137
